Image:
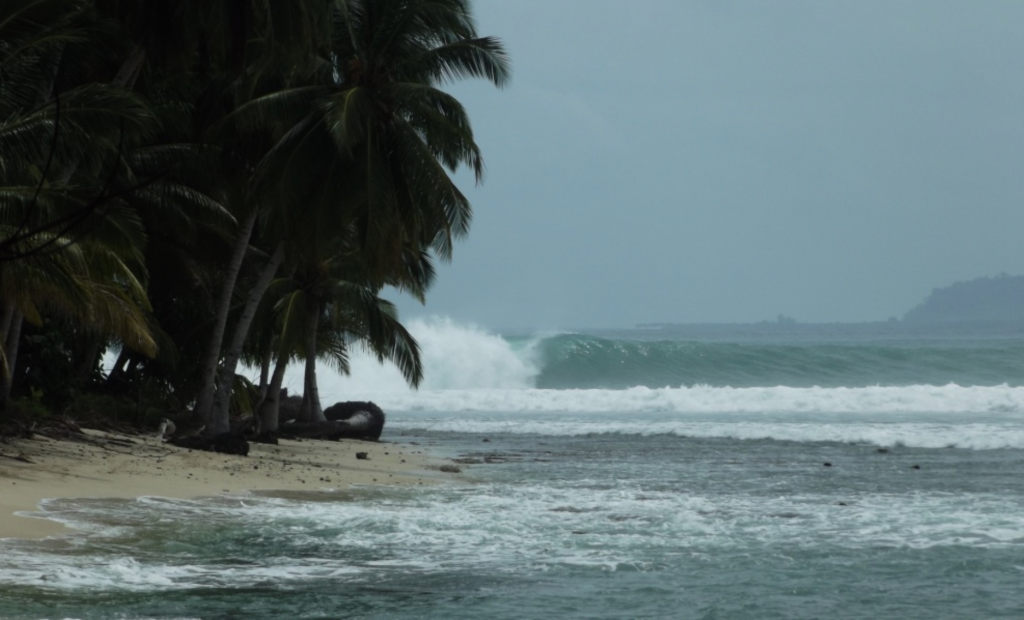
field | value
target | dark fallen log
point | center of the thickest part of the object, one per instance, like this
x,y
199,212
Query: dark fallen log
x,y
330,430
347,420
225,443
266,438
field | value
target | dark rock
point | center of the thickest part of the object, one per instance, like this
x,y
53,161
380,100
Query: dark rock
x,y
883,450
365,420
362,456
827,464
915,467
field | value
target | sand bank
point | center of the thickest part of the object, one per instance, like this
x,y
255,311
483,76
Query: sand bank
x,y
117,466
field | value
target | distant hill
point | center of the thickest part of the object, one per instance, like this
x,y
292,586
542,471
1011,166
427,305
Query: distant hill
x,y
980,300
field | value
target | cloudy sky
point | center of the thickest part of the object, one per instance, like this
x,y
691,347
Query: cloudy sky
x,y
728,161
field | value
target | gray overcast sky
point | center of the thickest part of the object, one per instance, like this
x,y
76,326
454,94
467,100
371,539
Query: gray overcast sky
x,y
720,161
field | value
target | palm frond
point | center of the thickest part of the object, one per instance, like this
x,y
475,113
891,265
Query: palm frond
x,y
483,58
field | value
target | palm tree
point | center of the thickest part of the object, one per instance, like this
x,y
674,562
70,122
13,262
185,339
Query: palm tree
x,y
372,145
321,124
322,310
69,245
363,146
273,43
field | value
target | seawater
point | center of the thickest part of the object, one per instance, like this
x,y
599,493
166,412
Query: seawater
x,y
705,472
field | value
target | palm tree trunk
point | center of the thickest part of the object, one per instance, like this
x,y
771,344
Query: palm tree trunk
x,y
203,411
311,410
270,408
89,358
131,68
5,319
222,397
11,341
268,359
5,325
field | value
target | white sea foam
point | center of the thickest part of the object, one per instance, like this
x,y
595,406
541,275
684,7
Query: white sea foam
x,y
985,436
531,527
122,573
703,399
481,383
469,369
455,356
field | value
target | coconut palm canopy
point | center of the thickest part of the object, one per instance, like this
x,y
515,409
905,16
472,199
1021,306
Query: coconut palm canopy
x,y
212,180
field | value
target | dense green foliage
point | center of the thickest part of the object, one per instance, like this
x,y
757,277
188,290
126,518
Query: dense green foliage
x,y
187,184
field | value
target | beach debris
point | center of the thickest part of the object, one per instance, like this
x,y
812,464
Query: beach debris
x,y
450,469
362,456
915,467
827,464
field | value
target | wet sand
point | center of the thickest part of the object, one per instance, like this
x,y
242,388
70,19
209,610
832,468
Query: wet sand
x,y
107,465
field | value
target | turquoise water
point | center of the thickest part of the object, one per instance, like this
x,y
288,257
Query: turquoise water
x,y
649,499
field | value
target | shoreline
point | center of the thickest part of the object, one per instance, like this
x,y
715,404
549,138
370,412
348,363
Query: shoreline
x,y
110,465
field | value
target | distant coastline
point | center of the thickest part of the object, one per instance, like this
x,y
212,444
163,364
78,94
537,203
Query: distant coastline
x,y
981,300
982,303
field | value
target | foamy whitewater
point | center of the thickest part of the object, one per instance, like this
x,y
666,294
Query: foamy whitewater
x,y
862,471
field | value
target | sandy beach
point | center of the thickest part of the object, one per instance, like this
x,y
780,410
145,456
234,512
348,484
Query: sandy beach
x,y
107,465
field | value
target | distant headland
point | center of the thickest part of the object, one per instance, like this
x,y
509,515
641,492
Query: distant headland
x,y
981,300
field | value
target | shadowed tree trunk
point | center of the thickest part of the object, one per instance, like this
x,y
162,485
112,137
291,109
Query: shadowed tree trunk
x,y
219,419
88,360
203,411
11,341
268,359
270,409
311,410
6,368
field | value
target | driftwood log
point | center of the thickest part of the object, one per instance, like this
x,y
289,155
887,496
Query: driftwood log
x,y
225,443
345,420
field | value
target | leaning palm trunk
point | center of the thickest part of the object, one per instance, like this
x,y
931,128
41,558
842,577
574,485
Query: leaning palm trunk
x,y
11,341
268,359
5,319
311,410
5,324
270,408
219,419
203,411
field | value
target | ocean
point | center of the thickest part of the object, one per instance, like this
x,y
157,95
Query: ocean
x,y
706,472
